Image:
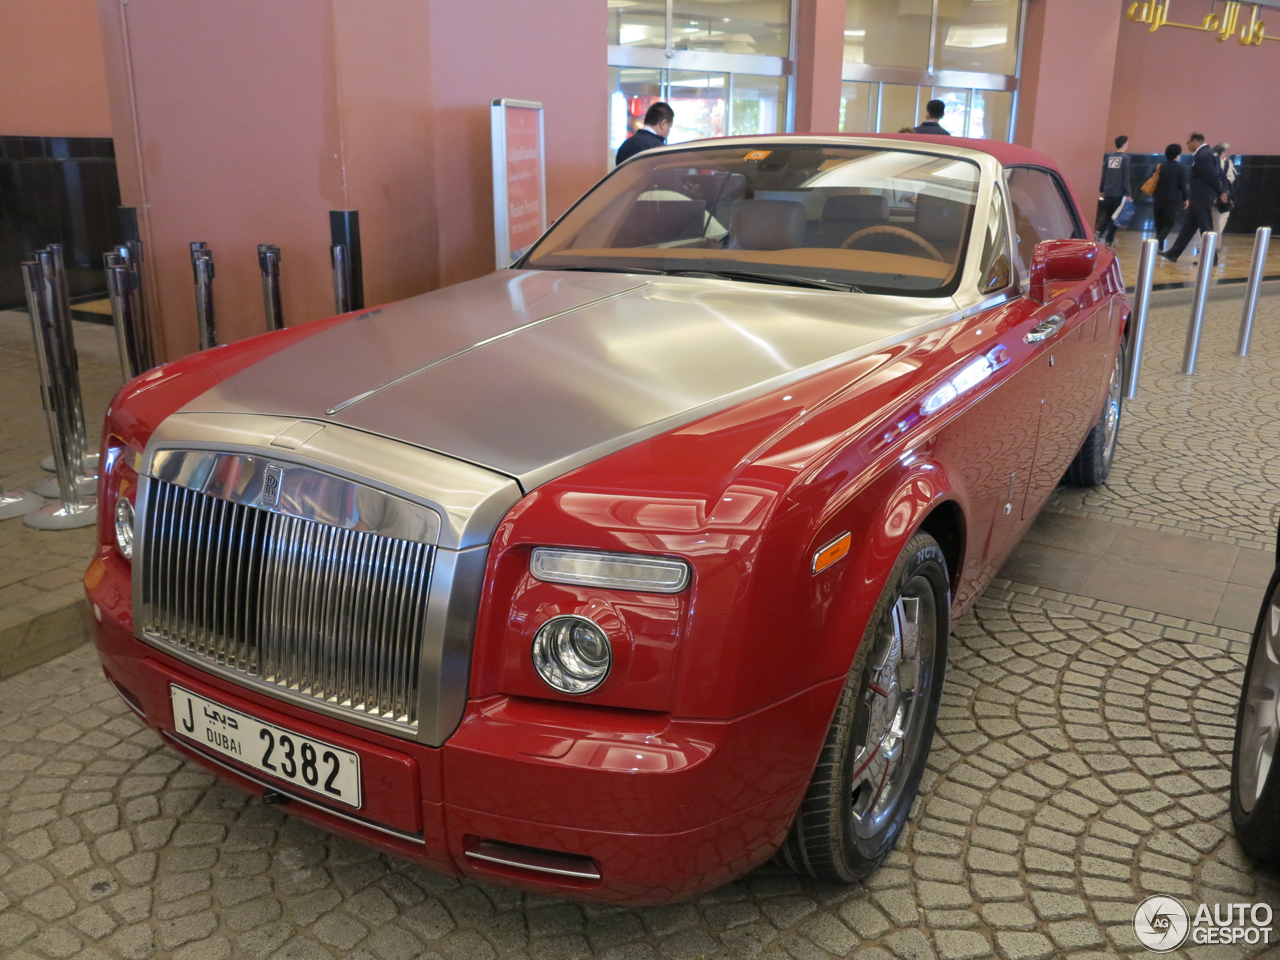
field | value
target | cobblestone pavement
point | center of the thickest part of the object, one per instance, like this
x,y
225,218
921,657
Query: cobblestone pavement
x,y
1080,765
1200,454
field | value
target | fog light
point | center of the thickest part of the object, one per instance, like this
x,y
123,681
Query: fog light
x,y
124,527
571,654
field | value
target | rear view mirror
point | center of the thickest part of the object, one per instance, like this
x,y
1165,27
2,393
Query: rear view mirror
x,y
1060,261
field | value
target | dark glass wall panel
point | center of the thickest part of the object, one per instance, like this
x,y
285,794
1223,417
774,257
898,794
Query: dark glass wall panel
x,y
57,190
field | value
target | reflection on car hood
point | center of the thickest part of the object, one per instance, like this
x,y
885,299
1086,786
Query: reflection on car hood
x,y
534,373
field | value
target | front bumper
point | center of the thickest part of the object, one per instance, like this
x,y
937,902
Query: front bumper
x,y
659,809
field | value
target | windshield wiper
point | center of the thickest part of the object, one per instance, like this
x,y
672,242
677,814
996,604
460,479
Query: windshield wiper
x,y
650,270
782,279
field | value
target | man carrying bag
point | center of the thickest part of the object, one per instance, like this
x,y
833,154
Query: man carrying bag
x,y
1115,188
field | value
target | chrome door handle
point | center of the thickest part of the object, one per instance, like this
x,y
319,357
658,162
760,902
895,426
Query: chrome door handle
x,y
1045,329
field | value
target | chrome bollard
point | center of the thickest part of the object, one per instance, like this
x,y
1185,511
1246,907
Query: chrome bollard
x,y
141,353
1141,306
118,277
17,503
1208,247
269,264
202,270
341,278
1261,241
73,509
55,296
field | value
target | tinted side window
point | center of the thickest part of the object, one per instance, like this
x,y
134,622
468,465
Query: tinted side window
x,y
1039,212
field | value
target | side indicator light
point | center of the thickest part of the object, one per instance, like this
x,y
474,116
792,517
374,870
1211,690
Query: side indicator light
x,y
833,551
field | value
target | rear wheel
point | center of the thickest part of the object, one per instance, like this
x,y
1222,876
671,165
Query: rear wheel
x,y
870,767
1255,774
1092,464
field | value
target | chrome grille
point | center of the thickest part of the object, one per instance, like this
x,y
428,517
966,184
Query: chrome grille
x,y
304,608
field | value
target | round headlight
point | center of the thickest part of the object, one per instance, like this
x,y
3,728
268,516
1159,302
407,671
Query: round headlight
x,y
571,654
124,527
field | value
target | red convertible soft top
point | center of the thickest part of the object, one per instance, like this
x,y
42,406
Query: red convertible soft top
x,y
1006,153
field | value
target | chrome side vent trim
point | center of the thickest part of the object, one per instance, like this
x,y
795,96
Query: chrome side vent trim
x,y
305,610
531,858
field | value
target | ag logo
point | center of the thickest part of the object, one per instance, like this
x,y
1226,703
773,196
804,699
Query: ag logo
x,y
271,486
1161,924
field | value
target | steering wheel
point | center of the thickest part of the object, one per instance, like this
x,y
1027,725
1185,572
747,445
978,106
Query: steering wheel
x,y
919,241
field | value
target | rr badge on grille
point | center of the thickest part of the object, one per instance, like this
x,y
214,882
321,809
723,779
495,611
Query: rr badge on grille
x,y
271,486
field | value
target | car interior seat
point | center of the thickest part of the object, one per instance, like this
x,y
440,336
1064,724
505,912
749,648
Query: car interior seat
x,y
941,222
767,225
661,221
843,216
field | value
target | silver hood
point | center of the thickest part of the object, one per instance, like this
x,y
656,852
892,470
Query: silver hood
x,y
532,373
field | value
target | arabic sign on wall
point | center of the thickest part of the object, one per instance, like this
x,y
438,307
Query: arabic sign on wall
x,y
1250,30
519,178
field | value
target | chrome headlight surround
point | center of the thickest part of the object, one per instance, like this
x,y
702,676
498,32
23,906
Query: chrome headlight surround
x,y
124,525
572,654
612,571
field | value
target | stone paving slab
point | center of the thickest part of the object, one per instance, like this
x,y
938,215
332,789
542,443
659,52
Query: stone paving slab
x,y
40,570
1080,765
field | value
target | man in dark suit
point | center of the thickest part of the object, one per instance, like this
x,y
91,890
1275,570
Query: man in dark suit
x,y
935,109
1115,186
657,124
1206,190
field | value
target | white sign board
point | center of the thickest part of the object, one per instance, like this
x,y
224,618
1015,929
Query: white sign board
x,y
519,178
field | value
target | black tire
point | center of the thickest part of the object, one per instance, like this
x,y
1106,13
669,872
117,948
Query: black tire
x,y
1255,776
1092,464
846,825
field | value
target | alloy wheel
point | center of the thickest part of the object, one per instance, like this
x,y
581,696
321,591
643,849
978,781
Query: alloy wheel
x,y
1260,716
1111,413
888,726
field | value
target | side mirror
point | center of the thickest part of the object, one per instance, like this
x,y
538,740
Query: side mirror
x,y
1060,261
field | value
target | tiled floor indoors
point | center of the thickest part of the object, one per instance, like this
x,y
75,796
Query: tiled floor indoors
x,y
1080,763
1235,252
40,571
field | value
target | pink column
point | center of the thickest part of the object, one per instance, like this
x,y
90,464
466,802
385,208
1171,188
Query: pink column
x,y
819,53
1068,63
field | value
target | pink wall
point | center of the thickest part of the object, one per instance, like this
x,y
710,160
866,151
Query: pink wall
x,y
549,51
1172,82
1068,60
819,59
51,70
243,122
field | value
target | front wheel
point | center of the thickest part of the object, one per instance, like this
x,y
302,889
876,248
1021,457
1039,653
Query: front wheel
x,y
1255,775
869,770
1092,464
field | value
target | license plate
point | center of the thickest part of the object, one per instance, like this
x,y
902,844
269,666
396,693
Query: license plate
x,y
312,765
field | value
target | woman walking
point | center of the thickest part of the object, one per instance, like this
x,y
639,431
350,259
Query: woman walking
x,y
1171,192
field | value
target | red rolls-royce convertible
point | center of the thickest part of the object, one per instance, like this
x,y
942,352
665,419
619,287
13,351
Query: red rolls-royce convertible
x,y
616,572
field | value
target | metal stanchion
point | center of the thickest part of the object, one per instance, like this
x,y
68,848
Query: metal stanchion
x,y
1141,306
118,278
1260,243
75,509
202,269
55,296
341,279
269,264
18,503
1208,247
141,353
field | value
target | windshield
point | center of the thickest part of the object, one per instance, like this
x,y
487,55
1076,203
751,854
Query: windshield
x,y
874,220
